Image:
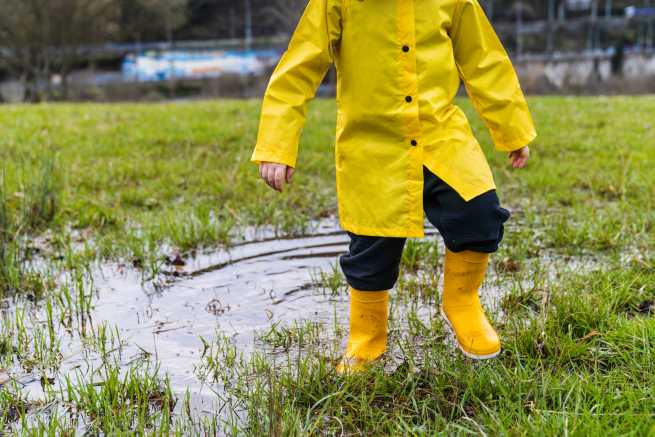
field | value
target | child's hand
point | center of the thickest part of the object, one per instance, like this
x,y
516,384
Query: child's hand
x,y
520,157
276,175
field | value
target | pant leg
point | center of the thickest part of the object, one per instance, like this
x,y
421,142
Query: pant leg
x,y
373,263
476,225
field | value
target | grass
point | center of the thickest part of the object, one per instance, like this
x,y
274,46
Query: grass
x,y
140,176
301,334
582,365
82,184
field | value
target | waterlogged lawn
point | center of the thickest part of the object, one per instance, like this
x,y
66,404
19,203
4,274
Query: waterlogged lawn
x,y
141,185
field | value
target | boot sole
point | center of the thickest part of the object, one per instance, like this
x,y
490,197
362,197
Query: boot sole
x,y
459,345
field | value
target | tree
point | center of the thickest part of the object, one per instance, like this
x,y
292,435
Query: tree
x,y
42,37
38,37
209,19
283,14
143,20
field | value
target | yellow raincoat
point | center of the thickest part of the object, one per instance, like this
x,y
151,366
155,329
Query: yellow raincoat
x,y
399,64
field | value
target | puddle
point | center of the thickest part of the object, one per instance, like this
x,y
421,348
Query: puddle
x,y
240,292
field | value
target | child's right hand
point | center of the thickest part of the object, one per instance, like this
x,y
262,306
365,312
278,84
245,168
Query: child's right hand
x,y
275,174
520,157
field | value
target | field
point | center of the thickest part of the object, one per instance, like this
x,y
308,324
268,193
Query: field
x,y
118,223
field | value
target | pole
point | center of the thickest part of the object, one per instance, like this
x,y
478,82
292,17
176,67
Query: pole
x,y
550,43
649,28
562,12
591,41
519,28
248,25
169,27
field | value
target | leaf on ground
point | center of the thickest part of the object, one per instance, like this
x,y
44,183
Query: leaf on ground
x,y
4,377
508,265
591,335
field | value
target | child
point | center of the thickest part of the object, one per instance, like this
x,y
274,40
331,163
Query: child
x,y
403,148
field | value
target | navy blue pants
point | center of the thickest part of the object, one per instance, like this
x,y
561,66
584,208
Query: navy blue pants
x,y
372,263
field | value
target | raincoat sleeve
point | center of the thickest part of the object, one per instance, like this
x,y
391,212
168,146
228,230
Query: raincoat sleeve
x,y
489,77
294,82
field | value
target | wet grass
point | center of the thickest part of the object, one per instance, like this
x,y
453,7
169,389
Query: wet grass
x,y
138,184
136,177
582,363
300,334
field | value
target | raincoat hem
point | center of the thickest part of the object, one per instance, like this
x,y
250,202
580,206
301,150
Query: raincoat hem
x,y
374,231
472,194
467,193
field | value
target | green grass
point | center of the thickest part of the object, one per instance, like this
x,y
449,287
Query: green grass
x,y
139,176
584,364
135,183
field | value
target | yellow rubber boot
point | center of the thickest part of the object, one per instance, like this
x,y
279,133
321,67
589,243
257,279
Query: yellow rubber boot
x,y
460,304
367,339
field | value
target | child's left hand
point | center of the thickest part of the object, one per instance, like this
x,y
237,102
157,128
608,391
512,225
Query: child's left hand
x,y
520,157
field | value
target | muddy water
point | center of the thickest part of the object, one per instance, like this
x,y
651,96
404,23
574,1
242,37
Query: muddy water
x,y
240,292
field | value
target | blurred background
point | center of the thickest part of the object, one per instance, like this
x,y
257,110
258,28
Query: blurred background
x,y
109,50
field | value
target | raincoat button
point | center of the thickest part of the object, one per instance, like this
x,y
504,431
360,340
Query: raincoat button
x,y
405,48
408,99
414,143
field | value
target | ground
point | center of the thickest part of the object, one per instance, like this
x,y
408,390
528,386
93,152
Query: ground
x,y
146,187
